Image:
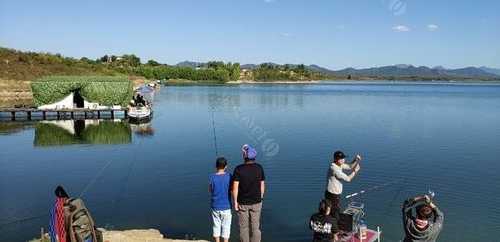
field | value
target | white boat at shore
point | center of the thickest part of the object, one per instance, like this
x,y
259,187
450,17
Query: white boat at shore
x,y
141,107
140,114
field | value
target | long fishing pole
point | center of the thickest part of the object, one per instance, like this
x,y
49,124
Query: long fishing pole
x,y
373,188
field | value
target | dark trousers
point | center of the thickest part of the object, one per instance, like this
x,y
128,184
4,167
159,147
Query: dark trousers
x,y
335,200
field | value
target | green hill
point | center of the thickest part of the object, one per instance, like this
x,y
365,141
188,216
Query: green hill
x,y
28,66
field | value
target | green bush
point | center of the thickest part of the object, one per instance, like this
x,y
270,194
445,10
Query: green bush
x,y
105,90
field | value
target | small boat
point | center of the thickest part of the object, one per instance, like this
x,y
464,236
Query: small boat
x,y
140,110
140,114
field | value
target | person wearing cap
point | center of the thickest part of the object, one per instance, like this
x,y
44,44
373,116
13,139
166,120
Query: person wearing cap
x,y
336,174
248,193
428,222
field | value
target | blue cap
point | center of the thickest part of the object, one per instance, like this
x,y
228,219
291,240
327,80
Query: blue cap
x,y
248,152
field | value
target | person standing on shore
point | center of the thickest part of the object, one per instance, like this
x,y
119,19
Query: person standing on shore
x,y
219,188
248,193
336,174
428,222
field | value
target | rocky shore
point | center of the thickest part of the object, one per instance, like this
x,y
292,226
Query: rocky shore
x,y
133,235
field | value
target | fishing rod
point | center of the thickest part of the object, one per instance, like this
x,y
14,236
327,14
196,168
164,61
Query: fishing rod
x,y
214,133
373,188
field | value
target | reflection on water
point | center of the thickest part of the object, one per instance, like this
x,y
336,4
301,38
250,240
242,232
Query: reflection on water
x,y
143,129
7,128
426,136
67,132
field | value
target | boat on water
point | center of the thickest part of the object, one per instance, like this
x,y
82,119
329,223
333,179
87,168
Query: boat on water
x,y
141,107
140,114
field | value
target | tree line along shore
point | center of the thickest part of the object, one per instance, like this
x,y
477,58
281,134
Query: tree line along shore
x,y
19,68
28,66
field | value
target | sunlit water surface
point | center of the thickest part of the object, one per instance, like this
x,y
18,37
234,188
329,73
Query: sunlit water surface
x,y
443,137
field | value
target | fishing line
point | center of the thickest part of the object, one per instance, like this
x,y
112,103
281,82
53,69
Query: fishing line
x,y
95,179
373,188
24,220
118,199
400,189
214,133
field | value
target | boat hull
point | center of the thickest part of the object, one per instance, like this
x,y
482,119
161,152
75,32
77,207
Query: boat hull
x,y
139,115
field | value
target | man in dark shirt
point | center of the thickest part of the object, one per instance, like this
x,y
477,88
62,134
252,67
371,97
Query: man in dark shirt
x,y
323,224
248,192
422,227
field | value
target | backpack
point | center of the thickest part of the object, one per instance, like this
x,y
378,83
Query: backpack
x,y
80,226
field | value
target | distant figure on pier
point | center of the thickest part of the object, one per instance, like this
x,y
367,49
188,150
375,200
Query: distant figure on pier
x,y
323,224
219,188
139,100
248,193
428,222
336,174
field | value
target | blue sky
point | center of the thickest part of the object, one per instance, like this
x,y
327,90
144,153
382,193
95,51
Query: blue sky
x,y
332,33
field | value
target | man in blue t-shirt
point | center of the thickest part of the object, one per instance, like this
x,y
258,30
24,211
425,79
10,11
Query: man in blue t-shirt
x,y
219,188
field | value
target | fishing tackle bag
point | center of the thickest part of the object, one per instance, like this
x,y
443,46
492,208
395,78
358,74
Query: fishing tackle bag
x,y
80,226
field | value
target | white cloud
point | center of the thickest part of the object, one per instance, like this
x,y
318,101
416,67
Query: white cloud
x,y
432,27
286,34
401,28
269,1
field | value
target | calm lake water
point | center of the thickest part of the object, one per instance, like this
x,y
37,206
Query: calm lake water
x,y
443,137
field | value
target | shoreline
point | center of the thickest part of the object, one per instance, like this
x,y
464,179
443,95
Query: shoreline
x,y
367,82
130,235
272,82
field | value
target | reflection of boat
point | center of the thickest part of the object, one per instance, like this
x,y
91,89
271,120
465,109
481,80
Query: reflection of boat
x,y
67,132
142,129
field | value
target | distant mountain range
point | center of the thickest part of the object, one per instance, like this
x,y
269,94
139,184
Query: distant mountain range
x,y
424,72
400,71
192,64
490,70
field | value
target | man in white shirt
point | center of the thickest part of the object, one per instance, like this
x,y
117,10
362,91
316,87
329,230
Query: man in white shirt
x,y
336,175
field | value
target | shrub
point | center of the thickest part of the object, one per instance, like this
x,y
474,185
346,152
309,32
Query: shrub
x,y
105,90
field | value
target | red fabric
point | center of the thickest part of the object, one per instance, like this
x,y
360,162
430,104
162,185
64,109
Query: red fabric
x,y
61,230
370,236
